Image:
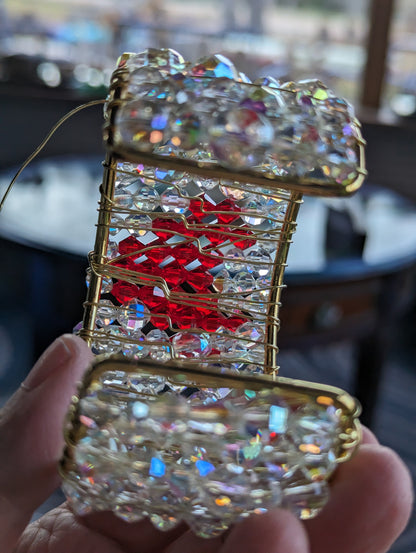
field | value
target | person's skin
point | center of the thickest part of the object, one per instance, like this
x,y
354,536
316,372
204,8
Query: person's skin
x,y
370,501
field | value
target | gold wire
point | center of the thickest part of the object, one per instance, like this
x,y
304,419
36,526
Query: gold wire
x,y
43,144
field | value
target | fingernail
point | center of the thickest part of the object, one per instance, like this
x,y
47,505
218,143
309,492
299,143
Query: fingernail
x,y
57,354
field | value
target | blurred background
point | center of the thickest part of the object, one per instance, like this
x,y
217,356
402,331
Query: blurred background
x,y
348,315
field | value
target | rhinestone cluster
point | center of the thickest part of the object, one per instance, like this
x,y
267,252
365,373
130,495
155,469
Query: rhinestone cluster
x,y
211,113
147,452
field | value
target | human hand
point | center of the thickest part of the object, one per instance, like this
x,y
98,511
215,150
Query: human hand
x,y
370,503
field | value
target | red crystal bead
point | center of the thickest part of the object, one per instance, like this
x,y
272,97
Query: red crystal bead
x,y
125,263
211,260
166,228
199,280
225,205
212,322
131,247
196,206
160,320
216,237
157,254
185,254
174,274
153,297
232,323
184,316
243,243
124,291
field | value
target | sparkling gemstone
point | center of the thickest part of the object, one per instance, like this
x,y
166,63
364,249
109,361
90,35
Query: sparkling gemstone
x,y
199,279
166,60
172,200
138,225
146,198
240,137
116,224
130,246
142,79
188,345
159,345
234,260
215,66
123,198
133,315
244,281
259,263
107,313
306,500
186,129
143,123
136,347
124,291
106,282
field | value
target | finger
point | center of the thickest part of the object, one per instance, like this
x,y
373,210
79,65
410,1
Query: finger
x,y
368,436
188,542
370,504
278,531
60,532
31,433
132,537
275,532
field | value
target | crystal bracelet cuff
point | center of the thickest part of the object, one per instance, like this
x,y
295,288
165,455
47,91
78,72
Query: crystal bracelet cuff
x,y
203,180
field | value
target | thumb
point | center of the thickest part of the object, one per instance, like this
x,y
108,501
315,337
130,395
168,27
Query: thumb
x,y
31,439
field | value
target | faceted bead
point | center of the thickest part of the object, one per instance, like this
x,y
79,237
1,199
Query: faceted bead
x,y
146,198
131,247
185,254
116,224
211,260
159,346
215,66
138,225
166,228
123,198
240,137
142,79
186,128
212,323
166,60
234,260
133,316
243,243
199,279
226,211
171,200
307,499
244,281
184,316
174,274
124,291
153,297
136,348
143,124
107,313
187,345
259,263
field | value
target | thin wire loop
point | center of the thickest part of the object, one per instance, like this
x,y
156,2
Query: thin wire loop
x,y
37,151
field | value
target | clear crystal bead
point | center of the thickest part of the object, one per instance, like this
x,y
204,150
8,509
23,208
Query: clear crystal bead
x,y
160,351
189,345
133,316
107,313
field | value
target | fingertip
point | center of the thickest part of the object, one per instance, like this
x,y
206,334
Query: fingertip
x,y
373,492
277,531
